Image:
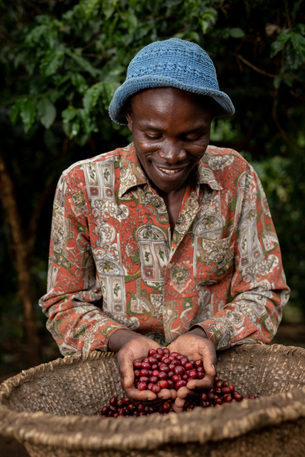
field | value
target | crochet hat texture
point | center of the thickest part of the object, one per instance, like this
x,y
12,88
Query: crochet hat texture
x,y
175,63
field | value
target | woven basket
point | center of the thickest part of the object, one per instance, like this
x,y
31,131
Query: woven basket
x,y
53,409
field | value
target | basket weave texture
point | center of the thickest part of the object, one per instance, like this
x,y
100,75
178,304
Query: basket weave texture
x,y
53,409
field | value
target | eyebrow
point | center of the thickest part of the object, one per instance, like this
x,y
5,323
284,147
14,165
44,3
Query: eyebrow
x,y
157,129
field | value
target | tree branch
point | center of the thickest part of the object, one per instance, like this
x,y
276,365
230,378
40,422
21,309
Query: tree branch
x,y
258,70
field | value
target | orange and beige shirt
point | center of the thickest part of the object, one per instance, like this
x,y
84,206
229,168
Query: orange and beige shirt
x,y
115,264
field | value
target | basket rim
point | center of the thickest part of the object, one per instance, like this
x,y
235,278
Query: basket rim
x,y
156,430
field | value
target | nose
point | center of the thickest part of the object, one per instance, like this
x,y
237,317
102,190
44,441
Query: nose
x,y
172,152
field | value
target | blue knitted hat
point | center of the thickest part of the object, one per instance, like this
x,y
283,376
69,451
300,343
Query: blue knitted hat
x,y
174,63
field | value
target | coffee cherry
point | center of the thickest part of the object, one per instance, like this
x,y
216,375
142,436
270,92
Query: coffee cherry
x,y
142,385
227,398
162,375
152,360
188,366
164,370
113,401
170,383
156,388
237,396
163,384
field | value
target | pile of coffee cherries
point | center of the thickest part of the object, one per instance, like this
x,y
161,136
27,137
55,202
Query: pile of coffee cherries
x,y
163,369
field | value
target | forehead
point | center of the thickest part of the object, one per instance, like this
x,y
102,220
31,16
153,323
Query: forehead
x,y
170,101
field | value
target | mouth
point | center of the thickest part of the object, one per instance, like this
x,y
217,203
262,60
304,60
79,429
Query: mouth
x,y
169,171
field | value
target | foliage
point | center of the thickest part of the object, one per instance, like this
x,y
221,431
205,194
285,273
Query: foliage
x,y
62,60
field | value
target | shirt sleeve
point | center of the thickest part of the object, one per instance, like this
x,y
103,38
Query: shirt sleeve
x,y
74,297
258,289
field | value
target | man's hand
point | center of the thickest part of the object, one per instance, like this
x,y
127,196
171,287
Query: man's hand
x,y
195,345
131,346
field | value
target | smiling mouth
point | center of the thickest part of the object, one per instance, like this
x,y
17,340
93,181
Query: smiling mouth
x,y
169,172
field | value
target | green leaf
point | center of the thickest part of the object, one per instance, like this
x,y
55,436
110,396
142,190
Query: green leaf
x,y
91,96
71,121
69,113
301,28
79,82
35,35
84,64
108,91
88,122
108,7
293,59
45,32
27,113
15,112
51,62
132,21
236,33
276,47
284,36
298,43
90,6
207,19
46,112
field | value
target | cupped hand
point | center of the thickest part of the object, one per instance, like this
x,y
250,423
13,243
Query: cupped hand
x,y
136,349
195,347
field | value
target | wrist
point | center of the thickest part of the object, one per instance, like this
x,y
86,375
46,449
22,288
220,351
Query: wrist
x,y
119,338
197,330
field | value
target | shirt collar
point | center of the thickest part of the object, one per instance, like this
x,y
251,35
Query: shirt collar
x,y
132,174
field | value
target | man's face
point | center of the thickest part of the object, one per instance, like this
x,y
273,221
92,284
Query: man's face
x,y
171,131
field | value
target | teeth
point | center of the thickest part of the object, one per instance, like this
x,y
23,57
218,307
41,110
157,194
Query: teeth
x,y
169,172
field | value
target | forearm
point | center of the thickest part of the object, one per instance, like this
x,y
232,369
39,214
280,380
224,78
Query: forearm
x,y
75,320
252,317
120,337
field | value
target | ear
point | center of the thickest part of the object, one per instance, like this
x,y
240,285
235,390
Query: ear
x,y
128,115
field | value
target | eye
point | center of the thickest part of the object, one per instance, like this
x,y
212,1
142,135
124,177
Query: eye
x,y
194,136
153,135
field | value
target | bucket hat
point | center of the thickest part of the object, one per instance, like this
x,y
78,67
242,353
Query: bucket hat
x,y
174,63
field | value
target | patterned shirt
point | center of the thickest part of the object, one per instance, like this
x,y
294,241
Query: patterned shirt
x,y
114,262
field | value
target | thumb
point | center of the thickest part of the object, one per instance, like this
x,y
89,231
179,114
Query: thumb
x,y
126,372
127,379
209,367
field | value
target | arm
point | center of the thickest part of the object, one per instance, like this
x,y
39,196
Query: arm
x,y
258,289
71,303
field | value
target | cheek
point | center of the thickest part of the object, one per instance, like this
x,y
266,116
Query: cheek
x,y
144,146
197,152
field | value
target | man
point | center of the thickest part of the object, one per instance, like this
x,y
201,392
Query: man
x,y
168,241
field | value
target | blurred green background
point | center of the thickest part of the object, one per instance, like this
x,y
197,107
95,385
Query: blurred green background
x,y
60,62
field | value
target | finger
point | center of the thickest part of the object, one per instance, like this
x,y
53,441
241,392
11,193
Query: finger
x,y
201,384
173,393
178,404
140,395
165,394
209,367
127,375
183,392
209,362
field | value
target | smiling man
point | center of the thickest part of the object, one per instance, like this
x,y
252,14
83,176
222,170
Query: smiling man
x,y
171,131
169,241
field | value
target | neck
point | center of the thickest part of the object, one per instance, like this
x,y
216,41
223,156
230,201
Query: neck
x,y
173,202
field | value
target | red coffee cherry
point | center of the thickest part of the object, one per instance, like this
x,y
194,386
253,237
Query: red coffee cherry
x,y
164,370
